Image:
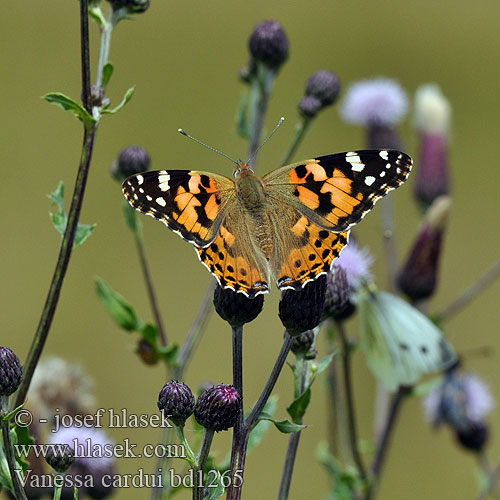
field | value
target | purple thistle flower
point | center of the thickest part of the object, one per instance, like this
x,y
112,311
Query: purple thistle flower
x,y
218,407
432,117
378,101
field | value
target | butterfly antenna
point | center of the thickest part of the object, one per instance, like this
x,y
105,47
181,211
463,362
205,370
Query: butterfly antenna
x,y
183,132
278,125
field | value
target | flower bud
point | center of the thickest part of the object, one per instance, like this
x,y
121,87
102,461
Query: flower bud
x,y
133,6
269,44
218,408
348,272
432,117
176,400
378,104
301,310
325,86
132,160
147,352
418,277
302,343
462,401
236,308
309,106
11,372
60,457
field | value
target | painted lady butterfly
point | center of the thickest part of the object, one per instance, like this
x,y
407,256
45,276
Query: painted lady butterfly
x,y
290,224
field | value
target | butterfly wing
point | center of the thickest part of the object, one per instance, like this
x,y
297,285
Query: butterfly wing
x,y
336,191
400,343
234,258
302,250
191,203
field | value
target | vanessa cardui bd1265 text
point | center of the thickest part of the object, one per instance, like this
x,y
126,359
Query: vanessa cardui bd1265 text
x,y
289,225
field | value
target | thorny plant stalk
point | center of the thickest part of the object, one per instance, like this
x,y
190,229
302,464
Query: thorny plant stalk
x,y
240,439
89,135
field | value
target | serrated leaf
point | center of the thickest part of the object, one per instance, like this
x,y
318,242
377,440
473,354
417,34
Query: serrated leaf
x,y
69,104
121,310
107,73
284,426
299,406
60,218
126,98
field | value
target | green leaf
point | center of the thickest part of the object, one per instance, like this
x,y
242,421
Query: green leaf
x,y
107,73
9,415
299,406
5,479
284,426
95,13
69,104
258,432
323,364
126,98
121,311
21,436
423,388
216,492
169,352
60,218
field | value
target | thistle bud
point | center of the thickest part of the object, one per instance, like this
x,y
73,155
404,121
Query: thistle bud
x,y
301,310
325,86
132,6
378,104
236,308
344,280
218,408
309,106
303,343
462,401
269,44
60,457
432,117
418,277
177,401
11,372
132,160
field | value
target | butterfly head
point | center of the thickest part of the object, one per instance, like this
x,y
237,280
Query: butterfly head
x,y
242,169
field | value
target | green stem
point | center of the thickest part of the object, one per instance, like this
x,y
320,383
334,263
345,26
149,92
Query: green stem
x,y
19,493
470,293
262,85
150,287
57,492
196,331
106,33
383,445
238,456
300,131
351,416
198,490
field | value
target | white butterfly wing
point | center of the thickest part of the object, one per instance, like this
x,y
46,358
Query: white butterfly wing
x,y
401,344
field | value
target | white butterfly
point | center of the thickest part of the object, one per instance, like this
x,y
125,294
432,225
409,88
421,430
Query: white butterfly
x,y
400,343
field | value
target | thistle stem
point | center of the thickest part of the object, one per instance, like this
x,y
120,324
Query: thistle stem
x,y
492,483
198,490
351,417
19,493
262,85
470,293
300,131
150,287
384,443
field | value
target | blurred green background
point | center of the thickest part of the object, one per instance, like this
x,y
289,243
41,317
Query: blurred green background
x,y
184,59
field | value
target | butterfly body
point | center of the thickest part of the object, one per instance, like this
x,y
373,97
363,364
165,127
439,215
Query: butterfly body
x,y
288,225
